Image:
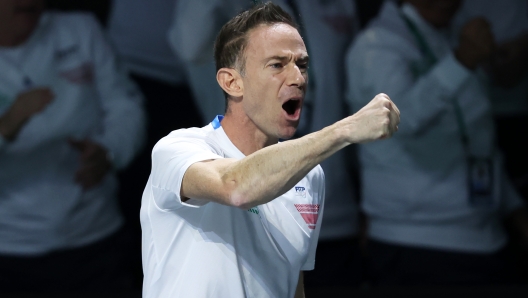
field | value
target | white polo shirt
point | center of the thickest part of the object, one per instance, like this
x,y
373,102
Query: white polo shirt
x,y
205,249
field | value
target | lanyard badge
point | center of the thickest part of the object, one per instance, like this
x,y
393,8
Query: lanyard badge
x,y
480,182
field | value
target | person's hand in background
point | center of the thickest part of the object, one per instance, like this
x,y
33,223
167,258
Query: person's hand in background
x,y
25,106
476,43
94,163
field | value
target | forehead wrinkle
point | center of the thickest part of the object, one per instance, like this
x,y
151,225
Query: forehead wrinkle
x,y
303,57
268,41
273,34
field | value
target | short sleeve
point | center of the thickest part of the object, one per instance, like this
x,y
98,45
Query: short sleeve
x,y
171,157
314,238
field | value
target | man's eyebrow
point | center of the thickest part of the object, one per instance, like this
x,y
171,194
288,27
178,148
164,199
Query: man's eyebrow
x,y
302,59
280,58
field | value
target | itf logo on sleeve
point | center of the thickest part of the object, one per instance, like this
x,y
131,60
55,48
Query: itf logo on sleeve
x,y
309,213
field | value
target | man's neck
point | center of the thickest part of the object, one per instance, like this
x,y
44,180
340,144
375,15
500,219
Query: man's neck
x,y
244,134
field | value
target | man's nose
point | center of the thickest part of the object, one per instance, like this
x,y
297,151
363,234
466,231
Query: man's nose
x,y
297,76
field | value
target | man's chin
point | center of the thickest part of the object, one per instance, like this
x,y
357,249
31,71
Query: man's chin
x,y
288,134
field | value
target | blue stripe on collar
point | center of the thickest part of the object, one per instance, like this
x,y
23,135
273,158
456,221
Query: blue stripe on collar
x,y
216,121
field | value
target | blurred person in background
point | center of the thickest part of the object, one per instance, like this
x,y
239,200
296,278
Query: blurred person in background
x,y
69,118
437,217
508,84
508,90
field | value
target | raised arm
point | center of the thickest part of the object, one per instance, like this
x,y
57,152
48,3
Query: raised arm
x,y
270,172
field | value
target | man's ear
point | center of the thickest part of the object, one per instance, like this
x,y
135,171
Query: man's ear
x,y
230,81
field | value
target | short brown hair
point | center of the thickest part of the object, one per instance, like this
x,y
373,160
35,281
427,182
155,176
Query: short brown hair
x,y
232,40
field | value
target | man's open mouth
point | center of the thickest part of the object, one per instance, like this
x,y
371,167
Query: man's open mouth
x,y
292,106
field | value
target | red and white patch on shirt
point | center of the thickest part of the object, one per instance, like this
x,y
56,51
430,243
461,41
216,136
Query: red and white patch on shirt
x,y
82,74
309,213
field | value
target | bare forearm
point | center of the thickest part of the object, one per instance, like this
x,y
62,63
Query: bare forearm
x,y
272,171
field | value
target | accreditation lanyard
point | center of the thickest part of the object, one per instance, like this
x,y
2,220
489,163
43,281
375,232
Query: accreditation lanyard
x,y
431,58
480,170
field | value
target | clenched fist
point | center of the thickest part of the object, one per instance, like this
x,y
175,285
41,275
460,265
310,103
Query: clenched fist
x,y
94,163
377,120
23,108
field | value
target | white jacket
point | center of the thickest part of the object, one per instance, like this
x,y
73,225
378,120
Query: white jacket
x,y
414,185
41,207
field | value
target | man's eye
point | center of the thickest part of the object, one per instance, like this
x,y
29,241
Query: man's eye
x,y
276,65
303,66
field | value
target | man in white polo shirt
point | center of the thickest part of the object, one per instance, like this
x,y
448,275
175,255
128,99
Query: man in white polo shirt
x,y
229,211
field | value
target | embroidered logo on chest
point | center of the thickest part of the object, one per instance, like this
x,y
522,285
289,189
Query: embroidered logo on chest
x,y
300,191
309,213
81,74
